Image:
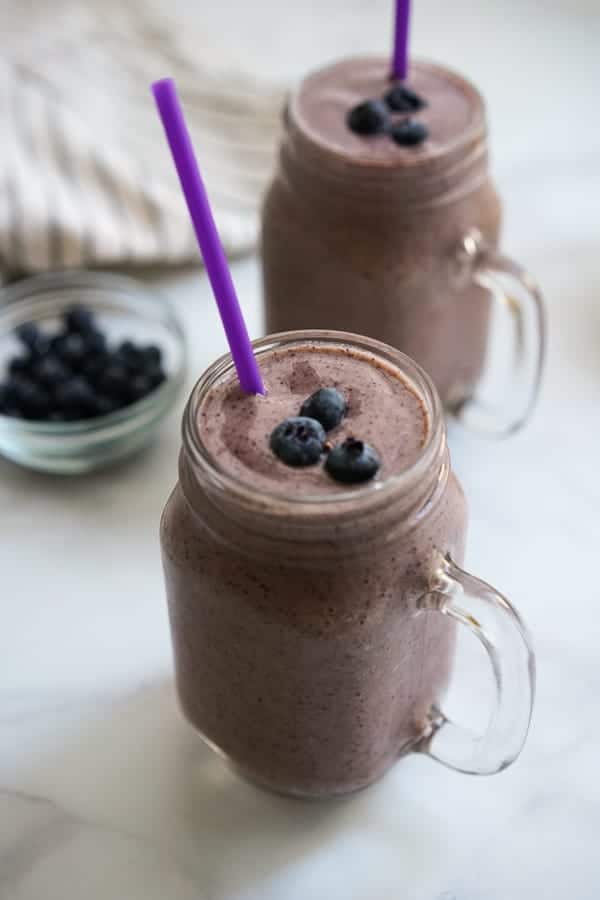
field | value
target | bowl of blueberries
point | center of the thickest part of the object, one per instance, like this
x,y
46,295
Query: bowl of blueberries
x,y
90,363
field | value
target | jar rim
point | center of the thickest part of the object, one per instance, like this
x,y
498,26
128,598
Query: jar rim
x,y
363,497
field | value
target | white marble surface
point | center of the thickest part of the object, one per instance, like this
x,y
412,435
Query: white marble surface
x,y
105,792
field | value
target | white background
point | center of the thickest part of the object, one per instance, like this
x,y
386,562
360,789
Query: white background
x,y
104,791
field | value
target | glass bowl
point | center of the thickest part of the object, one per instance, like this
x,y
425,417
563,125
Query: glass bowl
x,y
125,309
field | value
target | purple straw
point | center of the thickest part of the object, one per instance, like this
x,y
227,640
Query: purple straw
x,y
215,261
400,57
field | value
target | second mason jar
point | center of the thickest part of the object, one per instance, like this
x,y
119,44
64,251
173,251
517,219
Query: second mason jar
x,y
398,242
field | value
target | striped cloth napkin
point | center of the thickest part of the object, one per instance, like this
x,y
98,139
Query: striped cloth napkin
x,y
86,177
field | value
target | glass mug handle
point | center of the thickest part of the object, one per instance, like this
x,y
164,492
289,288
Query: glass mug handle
x,y
481,263
499,628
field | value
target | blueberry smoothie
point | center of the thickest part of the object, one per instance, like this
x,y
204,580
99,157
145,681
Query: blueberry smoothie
x,y
377,186
300,536
368,401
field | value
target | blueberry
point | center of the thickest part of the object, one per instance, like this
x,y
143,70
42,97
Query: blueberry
x,y
104,405
8,400
50,371
298,441
10,392
409,132
139,386
397,101
56,340
152,355
20,365
401,98
352,461
79,319
32,400
95,341
327,406
127,348
417,101
94,365
29,334
54,345
4,398
72,350
138,359
75,398
156,375
42,346
35,340
370,117
114,381
130,356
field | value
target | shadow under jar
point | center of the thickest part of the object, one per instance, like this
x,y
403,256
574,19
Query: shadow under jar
x,y
313,623
400,242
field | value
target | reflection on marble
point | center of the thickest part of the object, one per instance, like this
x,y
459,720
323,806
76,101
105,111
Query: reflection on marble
x,y
104,790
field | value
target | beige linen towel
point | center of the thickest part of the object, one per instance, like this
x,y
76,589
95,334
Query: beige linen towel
x,y
86,177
